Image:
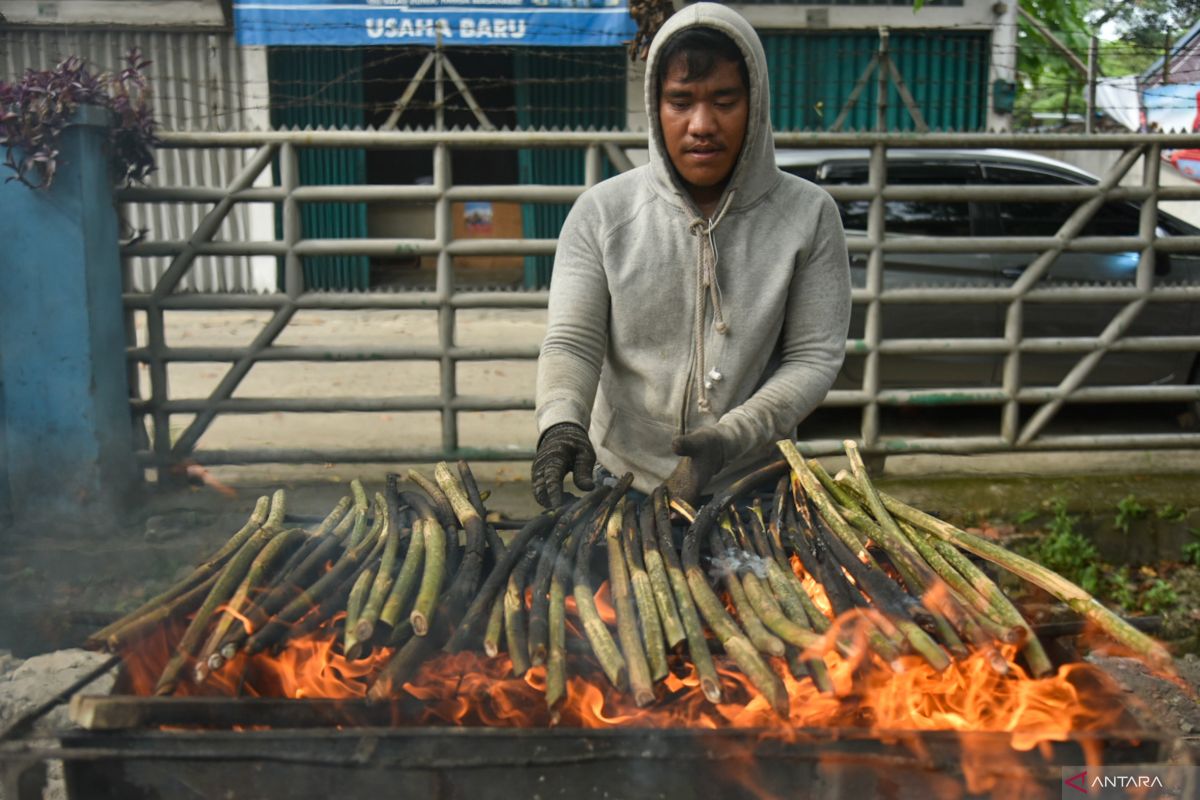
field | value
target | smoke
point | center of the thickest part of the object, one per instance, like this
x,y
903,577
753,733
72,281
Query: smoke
x,y
732,561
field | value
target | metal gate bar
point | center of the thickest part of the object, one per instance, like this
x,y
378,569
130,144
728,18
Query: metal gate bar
x,y
446,299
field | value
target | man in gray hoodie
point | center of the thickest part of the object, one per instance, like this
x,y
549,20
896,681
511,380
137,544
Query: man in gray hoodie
x,y
699,304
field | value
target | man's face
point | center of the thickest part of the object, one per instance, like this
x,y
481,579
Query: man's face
x,y
703,124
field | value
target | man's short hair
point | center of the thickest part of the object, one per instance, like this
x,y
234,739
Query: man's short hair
x,y
701,50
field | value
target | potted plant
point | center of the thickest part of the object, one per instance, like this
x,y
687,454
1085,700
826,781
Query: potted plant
x,y
36,109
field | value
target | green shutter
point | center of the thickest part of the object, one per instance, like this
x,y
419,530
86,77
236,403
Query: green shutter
x,y
562,88
322,88
812,75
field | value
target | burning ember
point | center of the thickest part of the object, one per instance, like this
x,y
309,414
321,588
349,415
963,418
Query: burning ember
x,y
825,604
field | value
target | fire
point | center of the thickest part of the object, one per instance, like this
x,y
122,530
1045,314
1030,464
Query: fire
x,y
468,688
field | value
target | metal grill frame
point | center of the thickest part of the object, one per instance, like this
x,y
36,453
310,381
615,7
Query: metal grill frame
x,y
446,299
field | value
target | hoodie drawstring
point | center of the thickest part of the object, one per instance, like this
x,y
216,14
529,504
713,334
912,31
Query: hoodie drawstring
x,y
707,288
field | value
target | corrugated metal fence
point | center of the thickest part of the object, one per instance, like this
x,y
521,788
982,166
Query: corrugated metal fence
x,y
197,85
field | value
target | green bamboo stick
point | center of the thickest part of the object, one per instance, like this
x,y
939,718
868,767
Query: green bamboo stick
x,y
516,633
556,656
628,631
364,626
354,605
406,582
210,659
643,593
223,589
495,627
433,576
765,641
710,684
605,648
1076,598
660,584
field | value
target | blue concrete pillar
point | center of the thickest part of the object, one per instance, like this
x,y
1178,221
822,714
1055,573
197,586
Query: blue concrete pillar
x,y
66,420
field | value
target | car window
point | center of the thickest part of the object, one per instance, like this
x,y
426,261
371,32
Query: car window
x,y
910,217
1038,218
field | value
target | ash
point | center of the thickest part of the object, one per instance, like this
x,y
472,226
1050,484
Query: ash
x,y
27,684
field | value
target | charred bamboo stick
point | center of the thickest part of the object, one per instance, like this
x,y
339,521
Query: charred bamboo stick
x,y
576,514
736,644
354,605
643,594
441,504
556,658
515,629
332,600
660,584
231,576
492,587
317,552
105,636
886,596
446,618
1031,647
744,654
495,627
433,576
210,657
762,639
310,596
628,631
605,648
689,616
819,563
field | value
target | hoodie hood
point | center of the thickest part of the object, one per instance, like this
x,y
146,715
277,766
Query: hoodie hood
x,y
755,172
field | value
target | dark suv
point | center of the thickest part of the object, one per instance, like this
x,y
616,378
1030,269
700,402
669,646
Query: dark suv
x,y
1070,318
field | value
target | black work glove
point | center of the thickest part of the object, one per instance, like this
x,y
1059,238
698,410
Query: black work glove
x,y
703,456
563,447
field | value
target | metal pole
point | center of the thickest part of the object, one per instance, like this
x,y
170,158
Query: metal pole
x,y
1093,63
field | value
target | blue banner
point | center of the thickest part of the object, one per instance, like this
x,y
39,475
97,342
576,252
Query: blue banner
x,y
574,23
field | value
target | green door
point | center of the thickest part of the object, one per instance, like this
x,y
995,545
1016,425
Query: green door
x,y
562,88
322,88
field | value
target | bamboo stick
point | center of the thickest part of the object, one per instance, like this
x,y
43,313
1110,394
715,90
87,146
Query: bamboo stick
x,y
209,657
660,584
362,507
354,605
441,504
689,616
364,626
497,579
223,589
515,630
556,659
605,648
628,630
744,654
433,576
577,514
643,593
405,585
765,641
495,627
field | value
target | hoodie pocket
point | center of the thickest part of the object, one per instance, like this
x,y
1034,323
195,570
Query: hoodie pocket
x,y
638,440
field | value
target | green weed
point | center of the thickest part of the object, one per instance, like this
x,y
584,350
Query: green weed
x,y
1128,510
